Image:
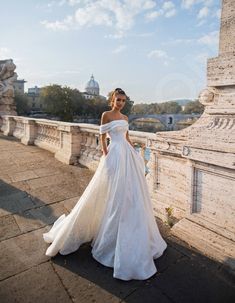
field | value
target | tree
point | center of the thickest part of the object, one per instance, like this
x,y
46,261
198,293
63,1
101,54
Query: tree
x,y
22,106
154,108
99,106
193,107
140,108
170,107
62,101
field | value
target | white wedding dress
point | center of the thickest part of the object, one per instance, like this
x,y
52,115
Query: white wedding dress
x,y
114,212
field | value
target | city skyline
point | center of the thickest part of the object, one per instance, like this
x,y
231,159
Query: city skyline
x,y
155,50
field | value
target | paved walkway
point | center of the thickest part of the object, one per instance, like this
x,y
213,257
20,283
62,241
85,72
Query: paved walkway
x,y
34,190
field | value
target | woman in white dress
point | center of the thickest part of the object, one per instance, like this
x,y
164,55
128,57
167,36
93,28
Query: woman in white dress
x,y
115,211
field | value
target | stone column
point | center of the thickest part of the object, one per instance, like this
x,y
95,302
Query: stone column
x,y
30,132
196,166
9,125
70,143
227,28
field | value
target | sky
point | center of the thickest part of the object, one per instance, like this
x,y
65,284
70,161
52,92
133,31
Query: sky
x,y
155,50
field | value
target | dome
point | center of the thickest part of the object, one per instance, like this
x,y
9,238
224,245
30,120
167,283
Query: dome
x,y
92,86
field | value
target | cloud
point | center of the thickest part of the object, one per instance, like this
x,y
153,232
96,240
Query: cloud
x,y
168,5
170,13
202,57
143,35
149,4
157,53
72,72
218,13
168,10
4,52
210,39
188,4
203,13
115,36
121,35
119,49
63,2
59,25
178,41
204,8
153,15
207,2
73,2
92,15
160,54
118,14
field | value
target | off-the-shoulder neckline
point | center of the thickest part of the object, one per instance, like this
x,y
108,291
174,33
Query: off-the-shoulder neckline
x,y
113,121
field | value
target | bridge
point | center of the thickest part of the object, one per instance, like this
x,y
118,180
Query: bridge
x,y
168,120
35,190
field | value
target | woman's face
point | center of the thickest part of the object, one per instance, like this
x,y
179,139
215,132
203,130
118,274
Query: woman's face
x,y
119,101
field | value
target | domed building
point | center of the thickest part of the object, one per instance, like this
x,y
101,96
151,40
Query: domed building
x,y
92,89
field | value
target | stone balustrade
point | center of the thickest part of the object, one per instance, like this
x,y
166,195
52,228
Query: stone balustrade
x,y
70,142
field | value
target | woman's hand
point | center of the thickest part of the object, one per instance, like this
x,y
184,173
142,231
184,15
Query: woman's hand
x,y
105,152
128,139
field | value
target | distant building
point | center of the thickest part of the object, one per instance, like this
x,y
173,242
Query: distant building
x,y
19,86
92,87
34,99
92,90
34,90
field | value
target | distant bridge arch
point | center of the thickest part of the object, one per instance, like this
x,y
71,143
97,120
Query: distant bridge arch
x,y
168,120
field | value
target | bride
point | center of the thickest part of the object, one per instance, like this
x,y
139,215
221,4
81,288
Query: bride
x,y
115,211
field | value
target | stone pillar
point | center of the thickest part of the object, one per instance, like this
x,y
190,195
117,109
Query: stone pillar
x,y
196,166
70,143
227,28
30,132
9,125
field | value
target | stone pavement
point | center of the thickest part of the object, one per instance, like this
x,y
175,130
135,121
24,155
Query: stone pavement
x,y
35,189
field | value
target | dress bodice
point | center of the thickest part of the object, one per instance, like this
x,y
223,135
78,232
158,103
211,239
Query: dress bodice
x,y
116,129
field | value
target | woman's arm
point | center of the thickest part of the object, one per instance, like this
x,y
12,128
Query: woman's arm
x,y
128,139
104,144
103,136
127,133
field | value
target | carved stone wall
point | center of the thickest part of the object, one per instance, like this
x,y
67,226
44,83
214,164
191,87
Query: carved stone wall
x,y
195,170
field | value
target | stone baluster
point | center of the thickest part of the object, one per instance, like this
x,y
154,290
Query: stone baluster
x,y
98,153
88,144
83,143
19,129
93,145
70,142
30,132
8,125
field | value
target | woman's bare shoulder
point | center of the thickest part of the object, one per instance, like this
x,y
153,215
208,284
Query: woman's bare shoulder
x,y
106,113
125,117
105,117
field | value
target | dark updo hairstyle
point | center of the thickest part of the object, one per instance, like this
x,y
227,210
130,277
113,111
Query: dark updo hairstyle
x,y
117,91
